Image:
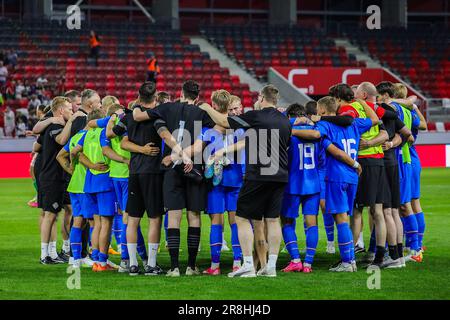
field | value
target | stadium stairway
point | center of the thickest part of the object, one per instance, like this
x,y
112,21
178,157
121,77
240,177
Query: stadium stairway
x,y
359,55
226,62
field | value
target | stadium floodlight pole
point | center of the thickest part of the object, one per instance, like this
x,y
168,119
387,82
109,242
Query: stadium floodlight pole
x,y
149,16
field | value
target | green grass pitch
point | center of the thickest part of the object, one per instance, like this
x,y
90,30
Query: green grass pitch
x,y
22,277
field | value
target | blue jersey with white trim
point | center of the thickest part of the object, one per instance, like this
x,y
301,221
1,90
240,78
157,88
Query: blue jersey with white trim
x,y
346,139
303,165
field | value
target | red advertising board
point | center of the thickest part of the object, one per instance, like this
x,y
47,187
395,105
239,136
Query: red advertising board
x,y
317,80
17,165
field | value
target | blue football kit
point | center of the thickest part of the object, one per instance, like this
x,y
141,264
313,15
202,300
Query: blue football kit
x,y
99,189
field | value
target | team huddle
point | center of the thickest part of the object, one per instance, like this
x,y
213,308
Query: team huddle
x,y
106,165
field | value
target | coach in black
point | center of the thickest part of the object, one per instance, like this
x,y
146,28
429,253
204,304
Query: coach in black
x,y
179,123
145,183
265,179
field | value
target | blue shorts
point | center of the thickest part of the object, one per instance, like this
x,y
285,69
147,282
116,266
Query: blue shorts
x,y
322,174
78,201
291,203
340,197
416,169
101,203
221,199
121,189
405,171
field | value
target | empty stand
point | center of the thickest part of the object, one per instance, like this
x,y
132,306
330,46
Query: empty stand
x,y
420,54
257,48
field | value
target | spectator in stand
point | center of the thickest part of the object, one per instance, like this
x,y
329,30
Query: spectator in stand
x,y
41,82
2,121
10,122
12,58
21,126
30,88
94,43
152,67
61,86
10,91
3,75
22,112
33,104
32,120
20,89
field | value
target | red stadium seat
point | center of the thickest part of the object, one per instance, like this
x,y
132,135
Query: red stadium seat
x,y
431,126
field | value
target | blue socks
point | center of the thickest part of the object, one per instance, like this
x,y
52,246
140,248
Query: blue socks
x,y
95,253
75,242
312,238
124,249
373,241
117,226
215,242
102,258
90,235
420,218
403,222
290,240
166,224
411,232
237,252
142,252
345,242
328,222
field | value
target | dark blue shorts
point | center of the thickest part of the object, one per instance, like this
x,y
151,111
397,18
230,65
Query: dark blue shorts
x,y
121,190
340,197
221,199
291,204
415,178
405,170
78,201
101,203
322,174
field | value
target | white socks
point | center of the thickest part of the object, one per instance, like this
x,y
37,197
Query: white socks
x,y
360,240
52,250
152,253
44,250
214,265
132,248
248,262
66,246
272,263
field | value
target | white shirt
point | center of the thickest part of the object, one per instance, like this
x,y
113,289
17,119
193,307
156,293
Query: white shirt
x,y
3,73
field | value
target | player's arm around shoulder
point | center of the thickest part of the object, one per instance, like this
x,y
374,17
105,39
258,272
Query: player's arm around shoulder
x,y
308,134
370,113
140,115
109,127
343,157
217,117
